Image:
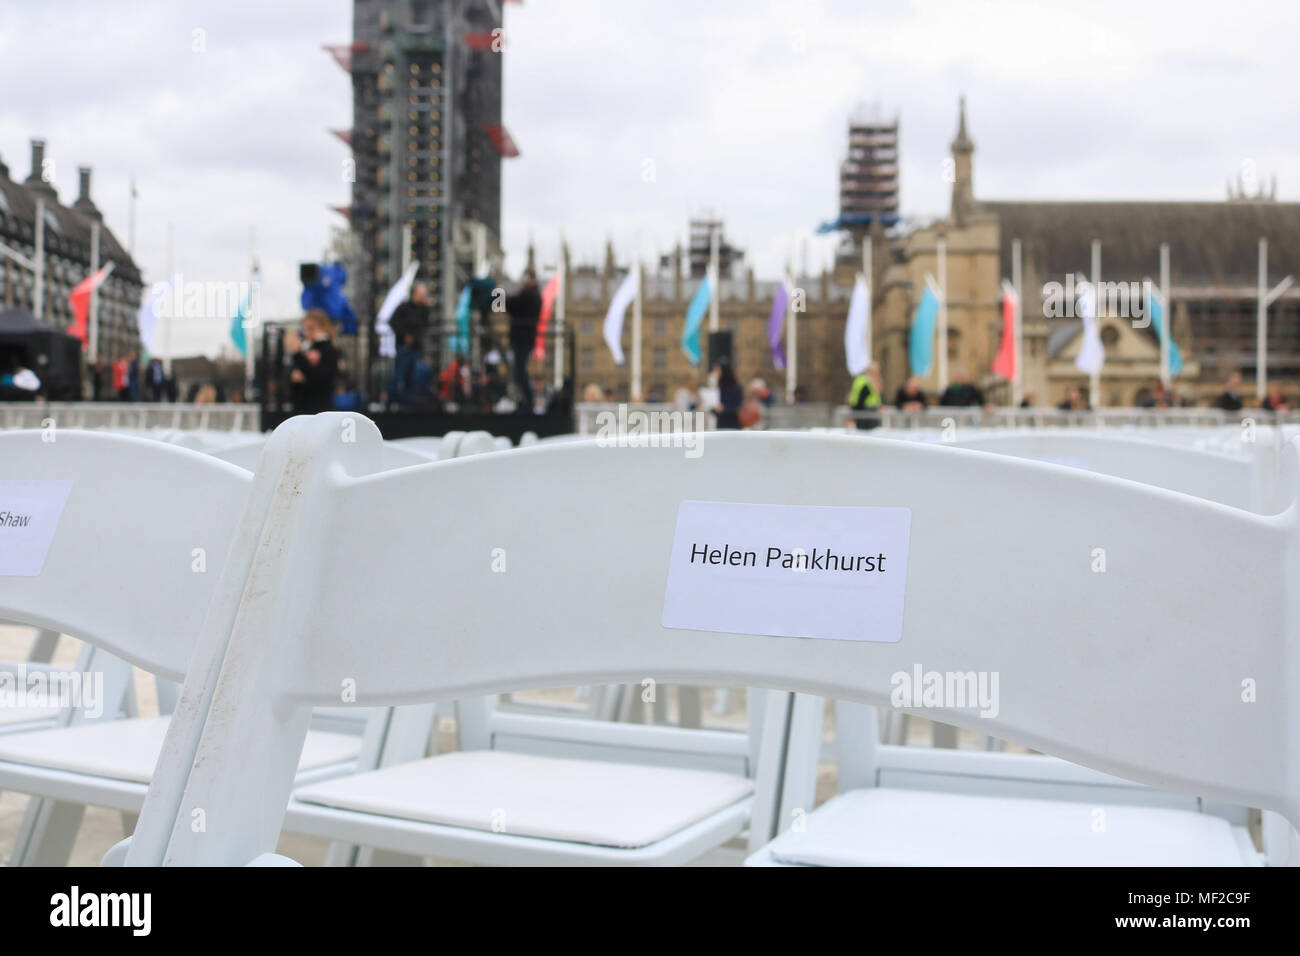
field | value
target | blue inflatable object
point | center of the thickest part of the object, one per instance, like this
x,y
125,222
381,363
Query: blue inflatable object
x,y
327,295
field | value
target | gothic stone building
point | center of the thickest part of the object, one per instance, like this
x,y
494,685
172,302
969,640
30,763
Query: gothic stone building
x,y
744,306
67,256
1213,264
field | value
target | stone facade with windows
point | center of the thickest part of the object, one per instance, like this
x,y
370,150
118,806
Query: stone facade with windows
x,y
67,255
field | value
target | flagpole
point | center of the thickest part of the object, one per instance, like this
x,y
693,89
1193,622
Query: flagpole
x,y
130,229
559,313
635,395
38,289
790,341
249,327
1261,323
1018,382
870,279
1166,326
941,251
167,319
1094,377
1266,298
94,290
713,280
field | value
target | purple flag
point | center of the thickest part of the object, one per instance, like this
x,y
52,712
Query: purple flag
x,y
776,325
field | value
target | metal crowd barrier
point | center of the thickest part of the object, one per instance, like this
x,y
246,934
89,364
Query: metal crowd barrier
x,y
591,418
230,416
827,415
943,417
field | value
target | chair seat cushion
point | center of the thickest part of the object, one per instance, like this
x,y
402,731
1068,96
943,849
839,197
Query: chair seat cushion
x,y
579,801
25,715
128,749
896,827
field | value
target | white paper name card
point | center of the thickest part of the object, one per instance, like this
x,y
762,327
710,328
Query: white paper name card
x,y
789,570
29,515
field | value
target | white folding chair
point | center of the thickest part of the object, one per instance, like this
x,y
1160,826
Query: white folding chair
x,y
1141,678
139,597
875,778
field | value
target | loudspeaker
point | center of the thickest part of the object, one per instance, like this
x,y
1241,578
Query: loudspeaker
x,y
309,273
720,347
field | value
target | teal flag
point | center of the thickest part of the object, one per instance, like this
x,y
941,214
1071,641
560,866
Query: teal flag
x,y
237,327
460,345
694,319
921,346
1158,323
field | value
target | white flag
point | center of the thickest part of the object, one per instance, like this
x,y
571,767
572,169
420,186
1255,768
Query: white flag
x,y
396,296
614,317
857,330
150,309
1092,354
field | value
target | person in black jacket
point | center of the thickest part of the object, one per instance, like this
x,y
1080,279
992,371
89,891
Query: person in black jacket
x,y
315,364
731,397
962,393
409,322
524,309
910,397
1230,400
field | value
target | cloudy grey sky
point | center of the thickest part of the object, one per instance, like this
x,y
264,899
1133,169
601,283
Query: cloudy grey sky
x,y
740,105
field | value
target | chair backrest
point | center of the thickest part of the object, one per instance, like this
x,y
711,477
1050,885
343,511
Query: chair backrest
x,y
135,553
1138,670
476,443
247,454
1240,480
488,727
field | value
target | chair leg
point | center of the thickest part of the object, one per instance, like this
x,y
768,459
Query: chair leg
x,y
605,702
690,710
47,833
944,736
896,727
341,854
659,708
43,647
367,856
721,701
631,709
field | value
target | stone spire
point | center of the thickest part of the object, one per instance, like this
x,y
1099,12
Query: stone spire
x,y
963,148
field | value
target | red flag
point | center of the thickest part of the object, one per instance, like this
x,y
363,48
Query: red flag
x,y
79,299
549,295
1007,360
501,140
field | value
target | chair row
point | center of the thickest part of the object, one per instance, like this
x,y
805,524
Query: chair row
x,y
1131,682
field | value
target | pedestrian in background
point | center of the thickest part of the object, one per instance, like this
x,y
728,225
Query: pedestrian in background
x,y
315,363
864,396
730,397
524,309
155,379
409,322
1230,400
